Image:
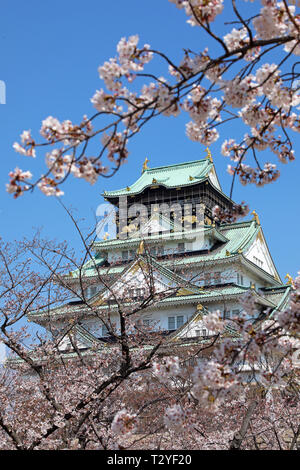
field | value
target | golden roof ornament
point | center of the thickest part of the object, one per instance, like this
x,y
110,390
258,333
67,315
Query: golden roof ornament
x,y
255,217
141,248
127,188
209,156
105,236
145,167
289,279
199,307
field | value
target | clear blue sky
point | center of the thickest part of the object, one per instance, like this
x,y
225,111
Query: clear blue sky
x,y
50,51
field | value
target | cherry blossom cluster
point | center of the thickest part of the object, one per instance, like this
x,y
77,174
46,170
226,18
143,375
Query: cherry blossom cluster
x,y
162,98
212,383
228,216
123,422
258,176
27,148
200,10
17,179
116,147
130,58
202,108
104,102
240,92
191,64
273,20
174,417
257,93
89,404
69,134
237,39
167,368
49,187
231,149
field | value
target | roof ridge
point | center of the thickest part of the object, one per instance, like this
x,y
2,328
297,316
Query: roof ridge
x,y
235,224
191,162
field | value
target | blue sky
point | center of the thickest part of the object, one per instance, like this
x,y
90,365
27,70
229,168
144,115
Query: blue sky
x,y
50,52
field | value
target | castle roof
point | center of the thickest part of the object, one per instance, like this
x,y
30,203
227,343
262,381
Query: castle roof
x,y
234,241
172,176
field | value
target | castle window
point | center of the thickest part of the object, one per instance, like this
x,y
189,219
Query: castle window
x,y
157,251
136,293
180,247
258,261
240,279
175,322
171,323
124,255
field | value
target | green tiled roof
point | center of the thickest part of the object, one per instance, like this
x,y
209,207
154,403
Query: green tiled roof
x,y
106,245
171,176
238,235
89,268
278,295
208,294
203,295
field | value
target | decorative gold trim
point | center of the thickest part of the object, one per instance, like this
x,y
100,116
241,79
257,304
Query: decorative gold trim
x,y
141,248
255,217
289,279
209,156
183,291
145,167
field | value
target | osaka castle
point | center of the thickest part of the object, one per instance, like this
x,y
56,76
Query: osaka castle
x,y
166,263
